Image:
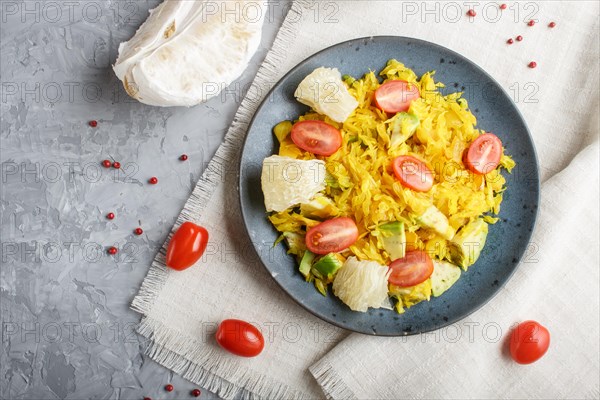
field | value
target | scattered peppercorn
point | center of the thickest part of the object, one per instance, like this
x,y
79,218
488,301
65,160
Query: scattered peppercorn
x,y
93,123
531,22
196,392
519,38
532,64
471,13
510,41
116,165
110,216
106,163
183,157
138,231
112,250
503,6
552,24
153,180
169,387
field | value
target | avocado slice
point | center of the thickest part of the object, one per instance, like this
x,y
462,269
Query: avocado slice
x,y
328,265
468,242
393,238
444,275
331,181
295,243
320,207
434,219
321,286
306,262
282,129
403,126
348,79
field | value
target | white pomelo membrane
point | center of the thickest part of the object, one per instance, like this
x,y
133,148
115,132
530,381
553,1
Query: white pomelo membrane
x,y
287,182
188,51
323,91
362,284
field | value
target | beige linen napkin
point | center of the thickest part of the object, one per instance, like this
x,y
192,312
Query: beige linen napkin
x,y
556,284
559,100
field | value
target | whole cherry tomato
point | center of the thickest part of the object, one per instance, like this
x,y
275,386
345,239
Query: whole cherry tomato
x,y
186,246
240,338
529,341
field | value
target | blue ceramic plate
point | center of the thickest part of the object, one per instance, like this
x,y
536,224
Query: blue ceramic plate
x,y
507,241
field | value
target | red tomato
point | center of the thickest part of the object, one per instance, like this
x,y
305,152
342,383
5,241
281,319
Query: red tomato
x,y
414,268
395,96
529,341
413,173
186,246
240,338
484,154
316,137
331,236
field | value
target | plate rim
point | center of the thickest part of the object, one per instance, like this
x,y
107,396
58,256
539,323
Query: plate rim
x,y
450,321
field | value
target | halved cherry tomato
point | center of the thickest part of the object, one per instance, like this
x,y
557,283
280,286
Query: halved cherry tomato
x,y
186,246
331,236
240,338
414,268
484,154
395,96
413,173
529,341
316,137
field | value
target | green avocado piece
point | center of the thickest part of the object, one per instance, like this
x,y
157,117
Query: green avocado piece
x,y
328,265
320,207
331,181
468,242
321,286
394,239
282,129
295,243
348,80
434,219
444,275
403,126
306,262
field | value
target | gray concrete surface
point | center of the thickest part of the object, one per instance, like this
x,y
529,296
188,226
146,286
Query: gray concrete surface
x,y
67,330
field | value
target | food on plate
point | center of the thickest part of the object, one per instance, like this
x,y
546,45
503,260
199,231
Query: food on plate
x,y
187,51
465,247
316,137
287,182
529,341
393,239
413,173
444,275
324,91
240,338
362,284
435,220
186,246
414,268
406,190
395,96
331,236
484,154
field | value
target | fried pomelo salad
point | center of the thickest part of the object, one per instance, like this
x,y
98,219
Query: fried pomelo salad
x,y
385,189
